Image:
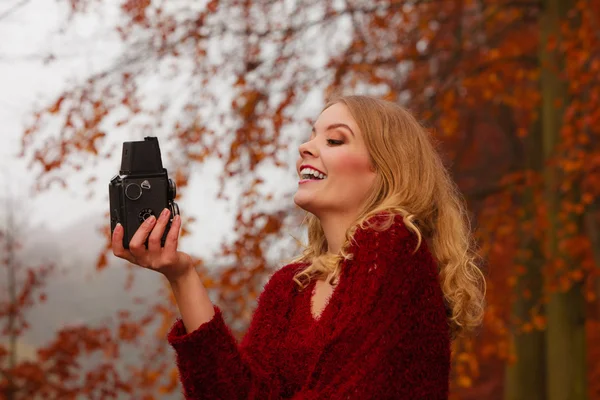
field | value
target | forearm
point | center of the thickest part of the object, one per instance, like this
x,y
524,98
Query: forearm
x,y
192,299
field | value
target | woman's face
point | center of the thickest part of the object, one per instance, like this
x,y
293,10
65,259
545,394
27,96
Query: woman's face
x,y
337,151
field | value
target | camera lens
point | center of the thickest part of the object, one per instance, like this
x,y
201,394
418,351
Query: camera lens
x,y
172,189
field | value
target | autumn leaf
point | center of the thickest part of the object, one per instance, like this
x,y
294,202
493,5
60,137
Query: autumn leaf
x,y
102,262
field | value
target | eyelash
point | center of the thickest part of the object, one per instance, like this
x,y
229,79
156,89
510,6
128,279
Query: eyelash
x,y
334,142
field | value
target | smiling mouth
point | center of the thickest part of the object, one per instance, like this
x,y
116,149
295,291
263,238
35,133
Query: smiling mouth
x,y
312,174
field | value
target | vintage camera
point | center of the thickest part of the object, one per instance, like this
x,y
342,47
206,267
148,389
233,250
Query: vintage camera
x,y
141,189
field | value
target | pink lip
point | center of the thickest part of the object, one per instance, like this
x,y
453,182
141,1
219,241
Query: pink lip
x,y
310,166
301,181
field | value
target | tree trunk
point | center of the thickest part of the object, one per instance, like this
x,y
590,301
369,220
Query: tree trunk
x,y
565,346
526,378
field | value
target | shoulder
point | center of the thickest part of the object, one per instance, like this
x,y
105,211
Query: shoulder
x,y
381,226
283,278
288,271
385,234
387,242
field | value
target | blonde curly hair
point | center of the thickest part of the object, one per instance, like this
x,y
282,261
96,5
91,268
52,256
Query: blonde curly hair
x,y
413,182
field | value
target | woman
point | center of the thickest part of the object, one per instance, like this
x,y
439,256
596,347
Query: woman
x,y
369,309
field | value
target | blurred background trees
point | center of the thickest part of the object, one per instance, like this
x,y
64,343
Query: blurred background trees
x,y
509,89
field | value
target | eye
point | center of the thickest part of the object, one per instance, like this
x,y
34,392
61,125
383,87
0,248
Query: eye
x,y
334,142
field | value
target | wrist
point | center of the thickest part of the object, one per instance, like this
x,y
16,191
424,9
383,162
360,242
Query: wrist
x,y
186,275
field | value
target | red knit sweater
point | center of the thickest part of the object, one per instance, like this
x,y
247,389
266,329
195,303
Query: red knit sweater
x,y
383,335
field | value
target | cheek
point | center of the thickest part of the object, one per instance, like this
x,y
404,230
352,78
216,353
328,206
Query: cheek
x,y
358,166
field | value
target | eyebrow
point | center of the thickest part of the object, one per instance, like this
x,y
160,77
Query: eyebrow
x,y
335,126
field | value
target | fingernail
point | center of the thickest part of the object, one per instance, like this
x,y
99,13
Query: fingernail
x,y
165,212
151,220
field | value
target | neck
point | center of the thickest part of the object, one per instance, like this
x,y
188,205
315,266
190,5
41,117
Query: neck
x,y
334,228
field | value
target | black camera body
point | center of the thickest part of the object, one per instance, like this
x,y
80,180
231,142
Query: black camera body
x,y
141,189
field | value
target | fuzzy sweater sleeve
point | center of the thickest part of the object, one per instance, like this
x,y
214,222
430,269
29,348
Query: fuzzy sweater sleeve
x,y
212,365
390,337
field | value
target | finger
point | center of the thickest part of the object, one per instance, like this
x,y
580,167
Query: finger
x,y
158,231
173,235
117,244
136,245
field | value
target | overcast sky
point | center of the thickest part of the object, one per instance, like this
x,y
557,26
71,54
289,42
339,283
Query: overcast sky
x,y
30,33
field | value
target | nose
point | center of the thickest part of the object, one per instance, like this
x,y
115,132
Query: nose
x,y
307,149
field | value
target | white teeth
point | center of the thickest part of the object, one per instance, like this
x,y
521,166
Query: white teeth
x,y
308,172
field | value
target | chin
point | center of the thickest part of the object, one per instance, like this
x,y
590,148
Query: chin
x,y
305,204
300,202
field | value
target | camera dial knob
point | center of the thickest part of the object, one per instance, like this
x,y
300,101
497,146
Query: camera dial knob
x,y
172,190
133,191
145,214
174,209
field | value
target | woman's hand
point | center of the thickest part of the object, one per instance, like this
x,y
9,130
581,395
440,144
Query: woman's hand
x,y
167,260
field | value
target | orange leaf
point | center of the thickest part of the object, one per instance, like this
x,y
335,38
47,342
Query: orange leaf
x,y
102,262
55,108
